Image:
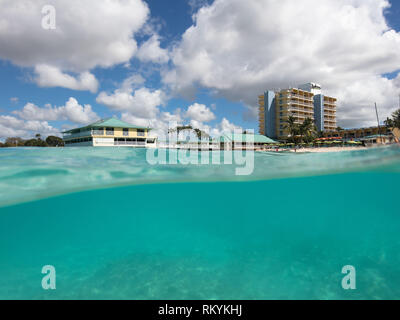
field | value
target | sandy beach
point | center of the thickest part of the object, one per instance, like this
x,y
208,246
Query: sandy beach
x,y
323,150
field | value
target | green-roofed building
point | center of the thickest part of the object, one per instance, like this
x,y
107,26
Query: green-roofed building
x,y
235,141
107,133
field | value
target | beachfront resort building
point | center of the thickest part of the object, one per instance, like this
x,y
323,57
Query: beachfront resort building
x,y
370,135
245,141
108,133
306,101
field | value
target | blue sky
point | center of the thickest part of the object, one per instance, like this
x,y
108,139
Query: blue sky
x,y
168,20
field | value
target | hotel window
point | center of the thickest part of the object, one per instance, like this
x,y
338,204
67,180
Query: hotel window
x,y
140,132
126,132
109,131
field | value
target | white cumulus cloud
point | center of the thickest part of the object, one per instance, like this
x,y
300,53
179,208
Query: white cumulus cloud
x,y
13,127
48,76
151,51
238,49
200,112
88,34
142,102
71,111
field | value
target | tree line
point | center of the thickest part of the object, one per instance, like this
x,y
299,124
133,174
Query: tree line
x,y
50,141
394,121
301,132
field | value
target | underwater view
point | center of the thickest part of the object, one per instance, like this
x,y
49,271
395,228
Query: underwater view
x,y
116,227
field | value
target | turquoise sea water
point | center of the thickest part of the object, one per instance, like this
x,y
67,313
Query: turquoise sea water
x,y
115,227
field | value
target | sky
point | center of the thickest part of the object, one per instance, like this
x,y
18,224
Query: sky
x,y
197,62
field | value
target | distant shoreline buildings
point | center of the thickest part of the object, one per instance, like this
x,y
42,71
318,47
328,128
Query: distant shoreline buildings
x,y
306,101
107,133
275,107
113,132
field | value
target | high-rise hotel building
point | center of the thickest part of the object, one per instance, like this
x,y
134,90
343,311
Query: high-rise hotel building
x,y
306,101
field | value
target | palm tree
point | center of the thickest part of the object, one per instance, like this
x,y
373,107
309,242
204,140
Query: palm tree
x,y
199,133
307,129
389,123
293,127
179,129
396,119
393,122
38,136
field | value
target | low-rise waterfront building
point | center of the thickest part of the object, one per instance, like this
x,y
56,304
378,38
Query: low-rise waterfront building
x,y
370,135
357,133
108,133
234,141
378,139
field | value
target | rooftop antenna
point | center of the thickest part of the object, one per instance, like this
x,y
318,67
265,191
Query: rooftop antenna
x,y
377,118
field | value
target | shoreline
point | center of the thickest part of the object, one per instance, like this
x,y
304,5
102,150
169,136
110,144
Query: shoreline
x,y
338,149
327,150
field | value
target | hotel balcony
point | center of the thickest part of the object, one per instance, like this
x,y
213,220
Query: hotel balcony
x,y
329,106
307,105
298,119
309,99
310,112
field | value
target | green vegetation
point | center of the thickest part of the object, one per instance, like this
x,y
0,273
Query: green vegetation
x,y
394,122
199,133
51,141
293,127
305,132
308,131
